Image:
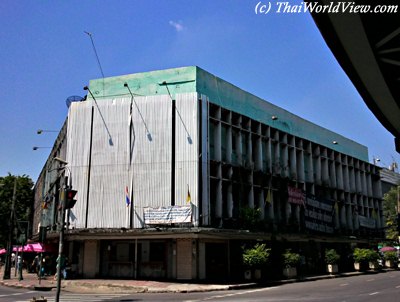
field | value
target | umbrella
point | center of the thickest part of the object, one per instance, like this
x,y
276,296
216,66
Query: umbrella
x,y
3,251
388,249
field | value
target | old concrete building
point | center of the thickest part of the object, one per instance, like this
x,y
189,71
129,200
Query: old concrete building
x,y
177,169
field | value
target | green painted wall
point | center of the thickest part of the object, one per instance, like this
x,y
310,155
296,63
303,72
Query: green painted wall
x,y
181,80
224,94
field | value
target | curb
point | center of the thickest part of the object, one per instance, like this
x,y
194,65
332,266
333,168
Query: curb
x,y
79,286
27,286
16,285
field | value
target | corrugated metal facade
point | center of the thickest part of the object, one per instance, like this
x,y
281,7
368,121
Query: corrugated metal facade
x,y
130,146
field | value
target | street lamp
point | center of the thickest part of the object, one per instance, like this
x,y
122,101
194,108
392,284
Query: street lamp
x,y
40,131
36,147
376,160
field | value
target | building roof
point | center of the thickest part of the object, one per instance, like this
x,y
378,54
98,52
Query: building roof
x,y
194,79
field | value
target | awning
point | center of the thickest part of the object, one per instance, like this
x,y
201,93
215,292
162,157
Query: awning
x,y
36,248
32,248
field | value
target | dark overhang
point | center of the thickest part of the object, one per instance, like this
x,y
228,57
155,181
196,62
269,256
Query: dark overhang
x,y
204,234
367,46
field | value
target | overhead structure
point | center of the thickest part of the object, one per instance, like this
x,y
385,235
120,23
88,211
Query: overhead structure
x,y
367,46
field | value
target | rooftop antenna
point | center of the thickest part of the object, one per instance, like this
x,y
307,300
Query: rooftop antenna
x,y
95,52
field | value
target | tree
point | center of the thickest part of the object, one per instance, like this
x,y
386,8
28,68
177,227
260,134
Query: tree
x,y
390,213
23,202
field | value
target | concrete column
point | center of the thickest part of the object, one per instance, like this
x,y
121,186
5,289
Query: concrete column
x,y
258,155
218,210
229,144
300,166
346,180
251,197
288,210
349,220
343,222
339,176
217,142
90,259
293,164
184,259
202,260
229,200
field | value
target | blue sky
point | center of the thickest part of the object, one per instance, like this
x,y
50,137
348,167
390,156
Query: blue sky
x,y
45,57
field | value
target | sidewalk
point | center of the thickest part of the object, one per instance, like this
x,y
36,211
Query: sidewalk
x,y
47,283
31,282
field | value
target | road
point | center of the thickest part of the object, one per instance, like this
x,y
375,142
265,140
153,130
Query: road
x,y
365,288
22,295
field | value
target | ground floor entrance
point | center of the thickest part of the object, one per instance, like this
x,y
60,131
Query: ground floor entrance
x,y
191,256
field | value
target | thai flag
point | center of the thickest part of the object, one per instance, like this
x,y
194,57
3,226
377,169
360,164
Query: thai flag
x,y
128,200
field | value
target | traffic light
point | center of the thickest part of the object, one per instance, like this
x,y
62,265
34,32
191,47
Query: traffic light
x,y
69,198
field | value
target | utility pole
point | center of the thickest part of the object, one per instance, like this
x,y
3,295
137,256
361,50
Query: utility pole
x,y
61,241
7,266
398,213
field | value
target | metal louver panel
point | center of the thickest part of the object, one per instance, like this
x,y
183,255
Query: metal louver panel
x,y
130,147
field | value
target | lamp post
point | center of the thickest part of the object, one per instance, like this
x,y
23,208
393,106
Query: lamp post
x,y
22,241
61,230
398,212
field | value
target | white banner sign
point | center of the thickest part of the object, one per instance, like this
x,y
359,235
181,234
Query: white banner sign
x,y
168,215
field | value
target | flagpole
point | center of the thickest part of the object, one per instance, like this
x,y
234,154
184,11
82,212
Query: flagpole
x,y
128,203
127,217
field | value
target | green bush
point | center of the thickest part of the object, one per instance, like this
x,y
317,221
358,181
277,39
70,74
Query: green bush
x,y
256,256
360,255
291,259
331,256
373,256
391,255
365,255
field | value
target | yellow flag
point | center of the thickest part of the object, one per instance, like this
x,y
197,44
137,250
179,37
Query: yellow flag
x,y
336,208
269,197
188,198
